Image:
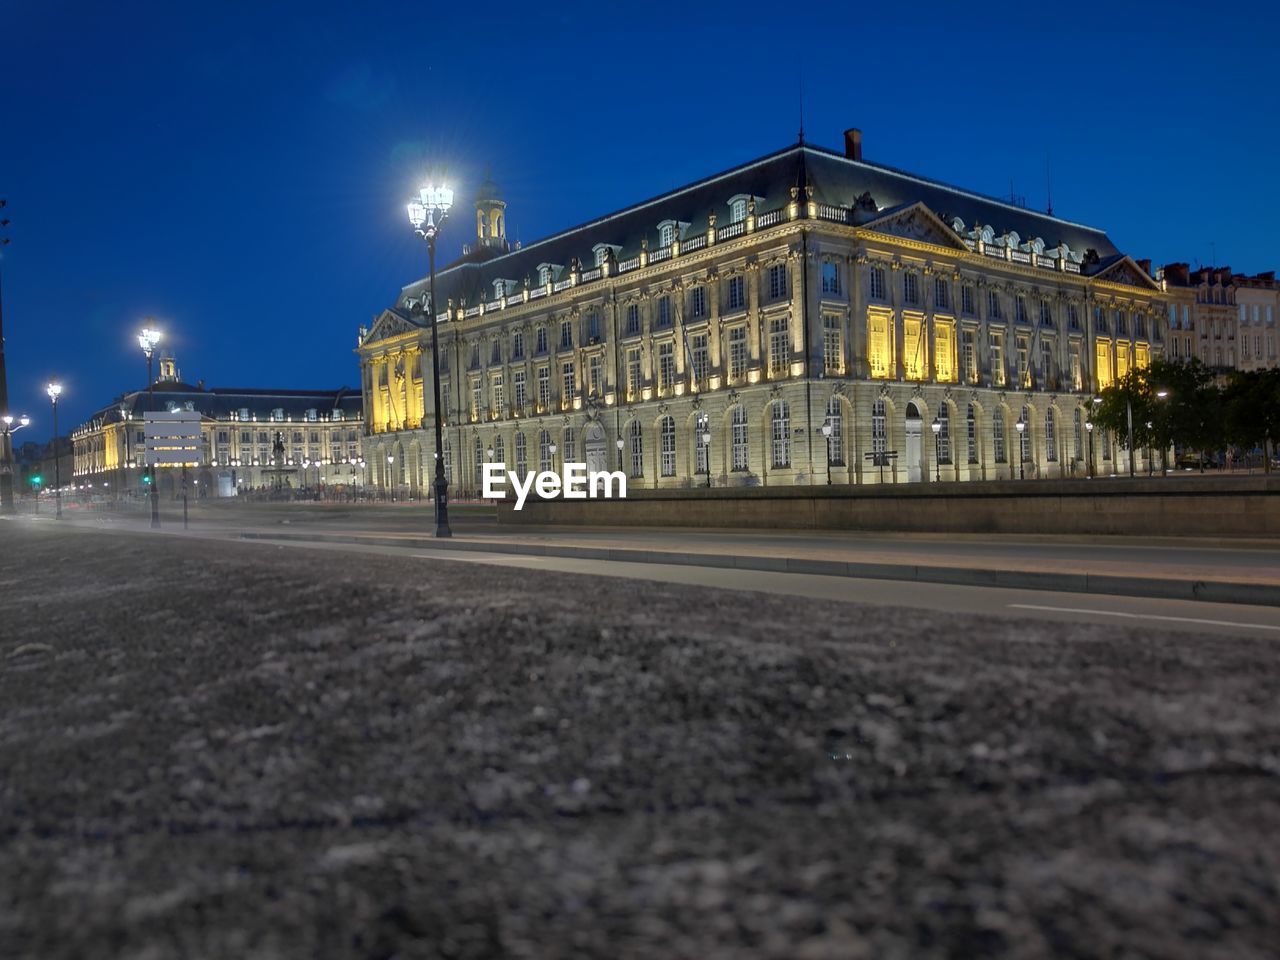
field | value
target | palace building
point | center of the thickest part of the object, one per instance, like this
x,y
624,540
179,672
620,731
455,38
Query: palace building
x,y
253,439
807,315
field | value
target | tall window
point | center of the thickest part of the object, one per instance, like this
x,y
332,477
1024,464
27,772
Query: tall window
x,y
910,288
476,398
738,211
830,279
779,346
738,439
702,424
633,319
637,449
877,284
1073,316
1020,309
993,305
997,435
781,434
566,334
737,293
966,301
879,428
664,311
495,354
941,294
1050,436
996,347
499,450
479,454
540,342
666,366
517,346
777,281
701,358
1046,314
595,375
737,353
667,445
666,234
499,394
971,432
568,382
969,355
698,302
1078,434
944,434
1122,324
521,456
832,354
544,387
518,387
593,327
835,439
633,372
569,452
1026,434
544,450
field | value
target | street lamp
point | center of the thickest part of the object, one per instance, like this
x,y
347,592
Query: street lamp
x,y
147,340
826,433
621,443
391,489
7,430
936,427
551,449
428,213
1088,426
54,390
1021,426
706,448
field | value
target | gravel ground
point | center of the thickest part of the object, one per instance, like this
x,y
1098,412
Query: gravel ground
x,y
239,750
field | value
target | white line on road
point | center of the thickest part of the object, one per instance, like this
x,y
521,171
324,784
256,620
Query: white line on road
x,y
1144,616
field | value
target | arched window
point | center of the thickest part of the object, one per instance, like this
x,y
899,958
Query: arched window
x,y
666,234
1025,452
971,432
522,456
1050,436
944,434
667,445
835,439
544,450
997,435
738,211
739,440
781,434
479,458
637,448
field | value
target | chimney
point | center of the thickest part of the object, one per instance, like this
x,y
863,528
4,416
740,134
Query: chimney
x,y
1145,265
853,143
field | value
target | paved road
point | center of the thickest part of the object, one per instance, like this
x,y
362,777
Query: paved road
x,y
216,748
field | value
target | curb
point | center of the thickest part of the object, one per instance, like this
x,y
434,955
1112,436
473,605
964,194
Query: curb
x,y
1210,591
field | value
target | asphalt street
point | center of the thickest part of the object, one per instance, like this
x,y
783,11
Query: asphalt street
x,y
214,748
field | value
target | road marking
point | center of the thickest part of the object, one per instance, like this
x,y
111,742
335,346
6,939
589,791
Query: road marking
x,y
1144,616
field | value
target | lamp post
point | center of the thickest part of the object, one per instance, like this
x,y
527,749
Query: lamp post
x,y
1088,426
551,449
428,213
391,487
825,429
7,430
1021,426
621,444
1128,412
147,340
54,390
936,427
1164,451
706,449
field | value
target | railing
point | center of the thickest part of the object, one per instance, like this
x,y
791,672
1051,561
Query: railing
x,y
536,292
693,243
828,212
593,274
631,264
993,251
1073,267
662,253
471,312
561,285
770,218
1017,256
731,231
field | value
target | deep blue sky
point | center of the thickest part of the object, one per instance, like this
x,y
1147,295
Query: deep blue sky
x,y
239,169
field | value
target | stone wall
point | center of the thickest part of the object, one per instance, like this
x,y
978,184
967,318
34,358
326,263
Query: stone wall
x,y
1178,506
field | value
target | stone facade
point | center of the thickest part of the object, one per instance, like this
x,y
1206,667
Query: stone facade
x,y
1226,320
801,292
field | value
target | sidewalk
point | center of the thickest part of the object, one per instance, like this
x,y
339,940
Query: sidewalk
x,y
1149,568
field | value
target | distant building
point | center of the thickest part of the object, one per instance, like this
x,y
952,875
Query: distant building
x,y
319,431
808,289
1226,320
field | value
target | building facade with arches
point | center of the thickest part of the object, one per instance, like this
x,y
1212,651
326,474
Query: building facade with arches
x,y
805,316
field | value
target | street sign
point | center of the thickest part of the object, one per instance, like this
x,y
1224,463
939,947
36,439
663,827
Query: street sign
x,y
173,438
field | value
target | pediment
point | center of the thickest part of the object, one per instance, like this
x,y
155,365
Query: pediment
x,y
916,222
1126,272
390,324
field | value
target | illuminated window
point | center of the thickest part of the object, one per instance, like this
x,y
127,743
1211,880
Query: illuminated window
x,y
1103,364
666,366
666,234
1050,436
738,211
633,372
944,433
779,346
637,449
832,354
879,429
835,439
737,352
997,435
914,348
879,343
701,358
944,348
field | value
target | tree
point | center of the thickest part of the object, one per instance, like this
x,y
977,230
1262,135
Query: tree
x,y
1251,414
1188,413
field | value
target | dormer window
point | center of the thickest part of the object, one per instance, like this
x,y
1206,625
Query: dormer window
x,y
666,234
739,205
546,273
311,415
503,288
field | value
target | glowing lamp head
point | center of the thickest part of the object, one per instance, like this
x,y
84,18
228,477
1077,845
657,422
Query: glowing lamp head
x,y
24,421
1088,425
1021,425
936,426
621,443
54,390
417,214
148,339
437,198
8,420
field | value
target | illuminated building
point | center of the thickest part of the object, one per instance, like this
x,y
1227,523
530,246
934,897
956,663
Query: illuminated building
x,y
320,432
803,289
1226,320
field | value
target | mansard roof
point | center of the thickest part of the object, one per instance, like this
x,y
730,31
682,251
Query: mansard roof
x,y
220,402
836,180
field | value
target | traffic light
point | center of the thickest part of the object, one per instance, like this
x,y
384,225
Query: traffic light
x,y
146,479
36,481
